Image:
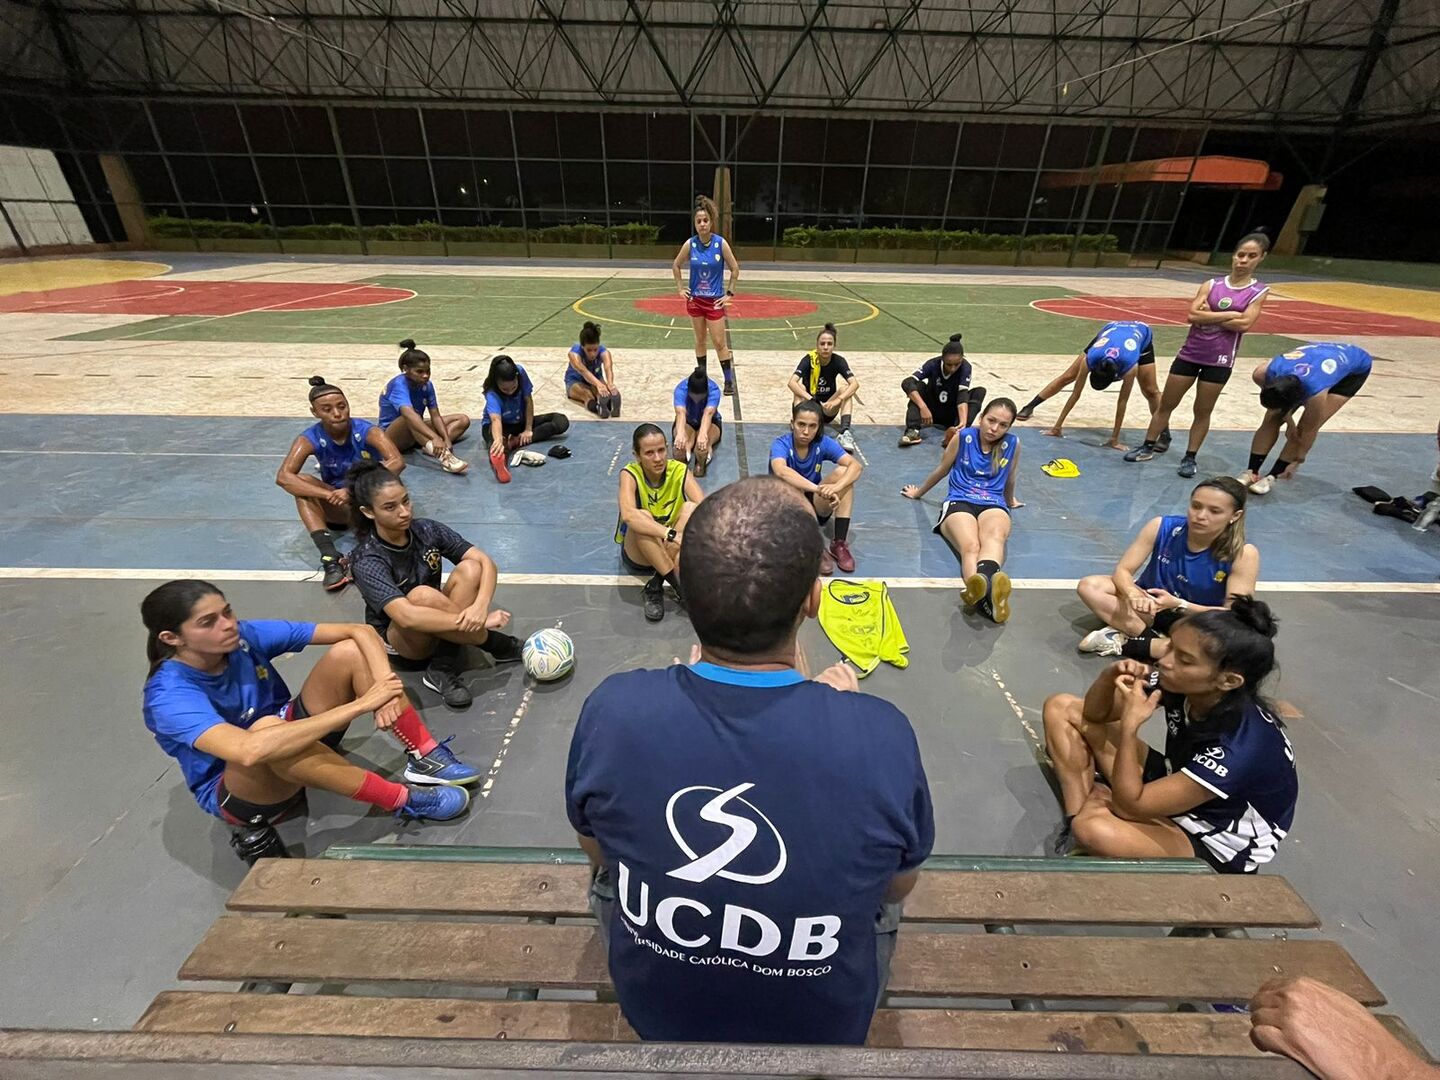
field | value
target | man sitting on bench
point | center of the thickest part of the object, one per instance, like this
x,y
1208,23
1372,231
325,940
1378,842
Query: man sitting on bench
x,y
757,829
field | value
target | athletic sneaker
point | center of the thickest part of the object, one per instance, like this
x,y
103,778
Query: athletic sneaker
x,y
1188,468
1144,452
1025,414
440,766
337,573
450,463
602,407
999,598
654,599
827,564
701,464
910,438
445,681
1106,641
847,439
502,473
974,590
1163,442
438,803
503,648
1263,486
615,406
729,388
840,552
1248,477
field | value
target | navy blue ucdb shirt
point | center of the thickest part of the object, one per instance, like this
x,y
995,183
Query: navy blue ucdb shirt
x,y
751,823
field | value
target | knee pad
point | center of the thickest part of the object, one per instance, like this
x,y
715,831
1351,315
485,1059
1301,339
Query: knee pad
x,y
256,840
910,384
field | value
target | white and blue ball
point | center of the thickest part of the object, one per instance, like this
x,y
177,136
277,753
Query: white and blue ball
x,y
548,654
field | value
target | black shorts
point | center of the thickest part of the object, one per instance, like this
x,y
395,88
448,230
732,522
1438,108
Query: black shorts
x,y
1206,373
810,495
1157,768
959,506
1350,385
1147,355
237,811
633,566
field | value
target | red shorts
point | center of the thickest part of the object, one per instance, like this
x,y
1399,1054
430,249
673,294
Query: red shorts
x,y
705,307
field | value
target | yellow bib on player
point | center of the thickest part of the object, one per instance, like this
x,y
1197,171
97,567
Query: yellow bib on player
x,y
814,381
860,621
664,502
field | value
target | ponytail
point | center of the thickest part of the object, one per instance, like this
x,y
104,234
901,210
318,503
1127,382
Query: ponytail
x,y
165,610
365,481
953,347
828,328
1231,542
412,356
1239,639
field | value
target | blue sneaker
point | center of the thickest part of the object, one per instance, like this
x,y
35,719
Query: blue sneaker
x,y
1188,468
1144,452
440,766
435,803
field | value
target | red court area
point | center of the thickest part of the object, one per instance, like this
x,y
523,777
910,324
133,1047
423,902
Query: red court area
x,y
742,306
1297,318
159,297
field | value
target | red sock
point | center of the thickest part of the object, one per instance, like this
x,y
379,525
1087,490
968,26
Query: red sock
x,y
380,792
411,731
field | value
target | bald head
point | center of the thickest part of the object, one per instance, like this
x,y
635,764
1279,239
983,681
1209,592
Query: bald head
x,y
752,553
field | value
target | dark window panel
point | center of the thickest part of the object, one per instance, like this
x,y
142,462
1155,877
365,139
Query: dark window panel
x,y
846,141
703,150
323,181
446,132
490,133
414,215
153,181
455,182
298,215
400,131
1021,149
799,187
934,143
283,183
1119,148
9,132
753,188
579,135
893,142
237,181
535,135
215,212
370,181
629,187
510,219
540,181
672,188
669,136
220,128
841,191
925,193
969,195
625,136
104,221
980,144
1059,202
761,141
178,130
1071,146
95,175
379,215
885,192
1010,197
753,229
1163,143
1130,202
358,134
584,184
332,215
498,186
85,124
267,128
38,125
674,228
196,182
310,129
410,183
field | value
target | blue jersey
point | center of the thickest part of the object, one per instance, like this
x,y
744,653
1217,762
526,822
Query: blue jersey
x,y
1320,366
1122,342
695,410
975,478
707,267
596,367
510,407
1196,576
1250,771
751,838
336,458
399,392
182,702
823,449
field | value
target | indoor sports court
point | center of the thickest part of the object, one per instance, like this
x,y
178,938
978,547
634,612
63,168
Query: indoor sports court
x,y
154,382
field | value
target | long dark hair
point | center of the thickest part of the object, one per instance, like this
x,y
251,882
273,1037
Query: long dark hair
x,y
1284,392
365,480
502,369
164,610
1238,639
590,334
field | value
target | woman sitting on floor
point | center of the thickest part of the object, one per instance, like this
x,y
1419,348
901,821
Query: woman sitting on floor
x,y
590,374
657,496
510,422
403,406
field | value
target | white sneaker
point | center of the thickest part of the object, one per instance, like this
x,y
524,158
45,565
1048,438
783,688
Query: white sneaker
x,y
847,440
527,457
1263,486
1247,477
450,463
1103,642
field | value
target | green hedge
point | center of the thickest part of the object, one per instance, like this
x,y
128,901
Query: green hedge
x,y
204,228
807,236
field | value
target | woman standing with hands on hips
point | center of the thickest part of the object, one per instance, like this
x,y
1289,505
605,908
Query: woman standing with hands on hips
x,y
707,297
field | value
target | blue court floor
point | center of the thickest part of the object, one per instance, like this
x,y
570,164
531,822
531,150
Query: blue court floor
x,y
157,493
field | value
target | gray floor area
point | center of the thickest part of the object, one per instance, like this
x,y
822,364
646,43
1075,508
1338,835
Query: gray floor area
x,y
112,873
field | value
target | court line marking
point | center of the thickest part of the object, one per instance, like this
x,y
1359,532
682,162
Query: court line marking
x,y
139,453
107,573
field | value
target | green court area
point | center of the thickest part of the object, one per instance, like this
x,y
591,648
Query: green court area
x,y
542,312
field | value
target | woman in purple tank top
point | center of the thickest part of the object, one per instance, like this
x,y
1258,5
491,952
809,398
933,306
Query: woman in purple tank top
x,y
1221,312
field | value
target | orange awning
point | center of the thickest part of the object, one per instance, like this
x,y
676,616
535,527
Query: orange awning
x,y
1211,171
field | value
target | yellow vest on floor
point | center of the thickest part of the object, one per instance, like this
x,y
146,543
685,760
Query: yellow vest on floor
x,y
861,622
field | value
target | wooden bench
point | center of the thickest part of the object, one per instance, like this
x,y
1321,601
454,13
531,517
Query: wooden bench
x,y
406,919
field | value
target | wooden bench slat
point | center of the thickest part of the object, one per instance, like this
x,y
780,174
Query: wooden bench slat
x,y
316,886
926,963
202,1012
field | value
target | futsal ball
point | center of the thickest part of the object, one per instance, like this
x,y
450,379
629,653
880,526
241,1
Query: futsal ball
x,y
548,654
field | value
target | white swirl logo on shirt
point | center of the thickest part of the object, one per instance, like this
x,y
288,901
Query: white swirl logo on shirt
x,y
743,832
1328,366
